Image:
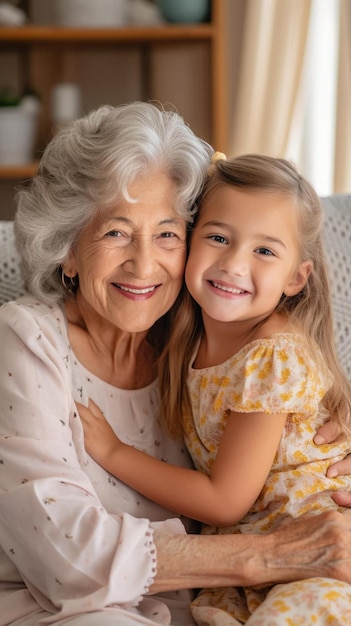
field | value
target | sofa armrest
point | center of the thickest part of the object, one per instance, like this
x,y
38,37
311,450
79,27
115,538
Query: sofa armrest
x,y
11,283
337,240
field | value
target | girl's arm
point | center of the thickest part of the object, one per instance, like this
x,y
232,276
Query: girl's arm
x,y
244,458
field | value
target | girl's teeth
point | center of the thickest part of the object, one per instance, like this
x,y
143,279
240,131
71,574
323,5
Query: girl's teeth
x,y
228,289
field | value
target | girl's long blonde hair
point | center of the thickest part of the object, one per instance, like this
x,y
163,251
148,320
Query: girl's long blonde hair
x,y
310,310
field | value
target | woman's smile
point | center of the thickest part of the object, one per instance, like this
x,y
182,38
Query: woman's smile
x,y
137,293
131,268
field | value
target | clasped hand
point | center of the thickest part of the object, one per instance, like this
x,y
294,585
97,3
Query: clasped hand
x,y
102,443
100,440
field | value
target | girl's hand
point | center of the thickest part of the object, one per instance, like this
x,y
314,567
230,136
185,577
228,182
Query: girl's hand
x,y
328,433
100,441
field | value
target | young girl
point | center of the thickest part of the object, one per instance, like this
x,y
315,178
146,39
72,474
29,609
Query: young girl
x,y
253,338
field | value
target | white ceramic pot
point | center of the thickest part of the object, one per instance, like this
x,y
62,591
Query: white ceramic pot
x,y
18,135
89,13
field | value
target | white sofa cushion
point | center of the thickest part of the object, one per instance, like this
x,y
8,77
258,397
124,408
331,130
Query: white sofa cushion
x,y
11,284
337,237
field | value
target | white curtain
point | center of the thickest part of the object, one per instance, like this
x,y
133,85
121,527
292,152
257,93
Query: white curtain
x,y
294,90
342,169
313,131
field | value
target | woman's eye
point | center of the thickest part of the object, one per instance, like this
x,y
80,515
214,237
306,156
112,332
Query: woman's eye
x,y
114,233
168,239
265,251
167,235
218,238
118,238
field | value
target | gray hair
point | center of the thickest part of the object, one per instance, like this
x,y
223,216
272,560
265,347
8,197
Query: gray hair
x,y
89,165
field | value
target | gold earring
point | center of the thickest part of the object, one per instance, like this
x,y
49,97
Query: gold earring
x,y
70,283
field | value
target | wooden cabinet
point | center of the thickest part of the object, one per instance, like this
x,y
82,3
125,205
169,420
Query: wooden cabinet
x,y
185,65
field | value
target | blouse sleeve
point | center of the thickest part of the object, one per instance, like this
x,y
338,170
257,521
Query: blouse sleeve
x,y
53,528
278,375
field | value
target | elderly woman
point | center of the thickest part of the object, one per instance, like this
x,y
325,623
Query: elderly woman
x,y
102,235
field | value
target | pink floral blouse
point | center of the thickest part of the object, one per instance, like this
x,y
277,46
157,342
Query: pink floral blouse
x,y
70,533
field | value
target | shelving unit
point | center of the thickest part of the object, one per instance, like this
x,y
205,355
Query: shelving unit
x,y
135,34
18,171
43,50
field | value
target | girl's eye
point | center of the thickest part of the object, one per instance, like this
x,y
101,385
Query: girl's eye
x,y
265,251
218,238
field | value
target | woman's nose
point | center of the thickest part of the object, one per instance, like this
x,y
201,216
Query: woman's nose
x,y
142,257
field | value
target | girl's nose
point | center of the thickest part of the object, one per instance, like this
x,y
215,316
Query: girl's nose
x,y
234,262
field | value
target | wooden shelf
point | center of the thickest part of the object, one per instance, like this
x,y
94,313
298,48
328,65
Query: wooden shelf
x,y
56,35
135,34
18,171
45,55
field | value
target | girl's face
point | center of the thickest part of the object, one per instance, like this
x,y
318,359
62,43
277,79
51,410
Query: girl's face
x,y
130,259
244,254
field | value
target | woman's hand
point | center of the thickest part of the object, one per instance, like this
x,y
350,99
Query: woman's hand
x,y
307,547
328,433
100,440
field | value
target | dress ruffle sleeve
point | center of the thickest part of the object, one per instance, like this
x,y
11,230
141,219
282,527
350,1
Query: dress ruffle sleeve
x,y
277,375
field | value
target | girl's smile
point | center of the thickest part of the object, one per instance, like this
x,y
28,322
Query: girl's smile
x,y
244,255
226,289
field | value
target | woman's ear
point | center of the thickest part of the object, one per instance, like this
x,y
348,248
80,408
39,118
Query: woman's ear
x,y
299,280
69,266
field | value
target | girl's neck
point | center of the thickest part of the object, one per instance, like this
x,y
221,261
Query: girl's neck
x,y
221,340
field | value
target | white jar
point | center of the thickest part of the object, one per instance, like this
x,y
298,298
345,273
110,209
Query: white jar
x,y
89,13
18,134
65,104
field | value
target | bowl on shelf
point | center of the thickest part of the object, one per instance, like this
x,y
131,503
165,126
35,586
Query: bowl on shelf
x,y
184,11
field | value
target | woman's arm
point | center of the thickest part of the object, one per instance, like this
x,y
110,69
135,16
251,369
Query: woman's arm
x,y
54,531
328,433
66,545
244,458
307,547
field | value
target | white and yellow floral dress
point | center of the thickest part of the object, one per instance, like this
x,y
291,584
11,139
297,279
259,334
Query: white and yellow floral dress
x,y
274,375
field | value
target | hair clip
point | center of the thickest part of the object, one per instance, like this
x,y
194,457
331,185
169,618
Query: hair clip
x,y
217,156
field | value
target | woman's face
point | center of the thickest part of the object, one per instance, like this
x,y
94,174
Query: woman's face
x,y
130,259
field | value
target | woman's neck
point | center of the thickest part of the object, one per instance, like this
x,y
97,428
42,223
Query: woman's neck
x,y
122,359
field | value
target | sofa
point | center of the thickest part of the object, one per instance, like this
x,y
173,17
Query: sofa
x,y
337,238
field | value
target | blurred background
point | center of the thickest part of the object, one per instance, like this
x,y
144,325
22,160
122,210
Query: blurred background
x,y
270,76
